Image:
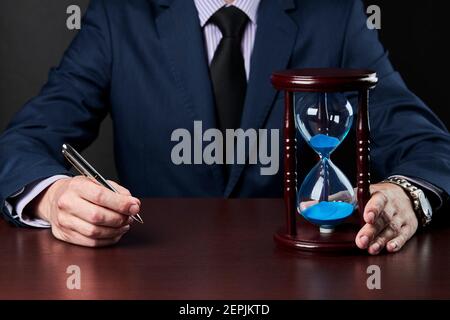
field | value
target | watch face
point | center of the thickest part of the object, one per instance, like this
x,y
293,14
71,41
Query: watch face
x,y
425,204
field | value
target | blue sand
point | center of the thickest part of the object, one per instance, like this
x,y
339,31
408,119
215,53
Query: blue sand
x,y
324,144
328,213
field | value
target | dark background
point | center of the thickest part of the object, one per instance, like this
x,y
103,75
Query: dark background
x,y
33,36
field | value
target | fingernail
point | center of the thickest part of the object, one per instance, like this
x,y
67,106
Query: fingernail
x,y
375,247
370,217
392,245
364,241
126,228
130,220
134,209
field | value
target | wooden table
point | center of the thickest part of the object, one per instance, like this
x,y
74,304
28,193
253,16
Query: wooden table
x,y
214,249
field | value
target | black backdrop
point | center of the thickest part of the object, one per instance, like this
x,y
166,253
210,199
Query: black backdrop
x,y
33,37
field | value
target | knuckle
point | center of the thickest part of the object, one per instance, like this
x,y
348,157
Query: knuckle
x,y
371,235
381,240
97,216
119,221
389,215
126,220
59,221
409,229
64,237
409,221
98,195
382,222
371,206
123,205
60,234
401,239
395,226
93,232
383,199
63,202
406,229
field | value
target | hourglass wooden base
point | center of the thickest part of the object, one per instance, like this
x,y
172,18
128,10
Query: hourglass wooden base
x,y
298,233
309,237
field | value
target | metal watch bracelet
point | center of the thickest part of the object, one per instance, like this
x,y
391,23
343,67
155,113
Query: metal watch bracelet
x,y
421,205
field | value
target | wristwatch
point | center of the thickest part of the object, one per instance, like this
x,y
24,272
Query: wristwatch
x,y
420,203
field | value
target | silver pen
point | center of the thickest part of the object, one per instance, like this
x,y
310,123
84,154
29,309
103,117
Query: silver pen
x,y
83,167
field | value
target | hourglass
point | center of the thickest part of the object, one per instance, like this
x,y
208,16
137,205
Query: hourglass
x,y
320,211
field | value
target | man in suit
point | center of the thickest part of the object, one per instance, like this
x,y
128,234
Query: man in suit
x,y
159,65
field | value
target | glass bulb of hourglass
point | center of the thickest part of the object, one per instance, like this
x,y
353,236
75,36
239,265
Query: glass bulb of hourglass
x,y
326,197
323,119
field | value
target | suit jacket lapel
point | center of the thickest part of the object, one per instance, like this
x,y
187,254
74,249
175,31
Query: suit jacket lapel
x,y
275,39
182,39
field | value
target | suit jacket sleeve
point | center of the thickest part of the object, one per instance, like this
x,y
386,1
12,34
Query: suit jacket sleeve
x,y
407,137
68,109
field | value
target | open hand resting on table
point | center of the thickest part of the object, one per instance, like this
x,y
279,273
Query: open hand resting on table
x,y
390,219
85,213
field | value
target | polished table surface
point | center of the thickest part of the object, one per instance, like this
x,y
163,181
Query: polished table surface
x,y
214,249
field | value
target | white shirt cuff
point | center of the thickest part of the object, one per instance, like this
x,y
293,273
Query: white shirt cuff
x,y
27,195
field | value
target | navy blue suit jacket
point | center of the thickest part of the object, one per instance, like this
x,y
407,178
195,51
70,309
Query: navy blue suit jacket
x,y
144,63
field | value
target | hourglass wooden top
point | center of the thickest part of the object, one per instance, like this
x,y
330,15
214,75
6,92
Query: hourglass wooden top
x,y
324,79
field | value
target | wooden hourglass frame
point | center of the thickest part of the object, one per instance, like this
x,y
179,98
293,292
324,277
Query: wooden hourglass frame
x,y
298,233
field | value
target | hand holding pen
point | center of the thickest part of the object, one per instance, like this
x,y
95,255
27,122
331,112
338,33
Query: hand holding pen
x,y
83,167
82,211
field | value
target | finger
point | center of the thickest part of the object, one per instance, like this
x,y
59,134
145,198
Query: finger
x,y
76,238
375,207
368,232
90,230
391,231
380,241
344,196
119,188
306,204
91,213
106,198
406,232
